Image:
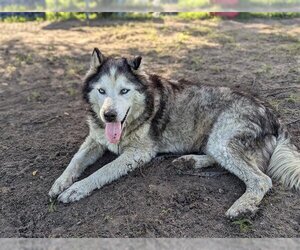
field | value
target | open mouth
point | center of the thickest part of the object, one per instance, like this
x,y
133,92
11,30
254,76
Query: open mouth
x,y
113,130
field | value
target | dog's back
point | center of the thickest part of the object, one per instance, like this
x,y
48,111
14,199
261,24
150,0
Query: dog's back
x,y
200,118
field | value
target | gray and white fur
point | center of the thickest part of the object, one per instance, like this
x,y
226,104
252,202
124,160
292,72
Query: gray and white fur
x,y
203,123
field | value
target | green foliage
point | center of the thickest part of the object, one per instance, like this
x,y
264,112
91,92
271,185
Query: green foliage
x,y
15,19
277,15
63,16
52,206
194,15
245,225
34,96
273,2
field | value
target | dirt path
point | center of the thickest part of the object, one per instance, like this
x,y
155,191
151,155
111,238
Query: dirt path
x,y
42,122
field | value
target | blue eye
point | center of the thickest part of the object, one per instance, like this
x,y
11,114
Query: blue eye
x,y
124,91
101,91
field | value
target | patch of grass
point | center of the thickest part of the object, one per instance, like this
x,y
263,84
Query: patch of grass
x,y
197,62
286,37
52,206
199,31
268,15
294,98
10,69
74,67
275,104
295,70
264,69
221,38
107,218
182,37
34,96
195,15
245,225
291,48
165,212
15,19
24,58
71,91
135,16
216,69
132,16
63,16
153,35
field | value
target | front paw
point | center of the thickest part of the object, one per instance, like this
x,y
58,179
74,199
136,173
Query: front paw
x,y
74,193
61,184
240,211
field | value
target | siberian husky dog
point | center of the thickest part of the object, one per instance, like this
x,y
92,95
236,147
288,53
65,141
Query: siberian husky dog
x,y
138,115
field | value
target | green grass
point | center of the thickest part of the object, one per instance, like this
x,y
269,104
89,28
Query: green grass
x,y
34,96
72,91
245,225
275,104
24,58
15,19
294,98
63,16
268,15
194,15
52,206
273,2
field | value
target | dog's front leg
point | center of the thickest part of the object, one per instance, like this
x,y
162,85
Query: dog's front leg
x,y
88,153
125,163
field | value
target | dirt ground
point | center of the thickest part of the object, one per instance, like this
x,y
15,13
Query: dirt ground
x,y
42,122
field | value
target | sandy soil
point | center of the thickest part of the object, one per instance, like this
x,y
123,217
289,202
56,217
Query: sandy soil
x,y
42,122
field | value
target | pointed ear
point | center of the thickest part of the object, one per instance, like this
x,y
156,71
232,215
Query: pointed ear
x,y
135,62
97,59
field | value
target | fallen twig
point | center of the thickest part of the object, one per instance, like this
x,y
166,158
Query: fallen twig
x,y
289,123
205,174
277,93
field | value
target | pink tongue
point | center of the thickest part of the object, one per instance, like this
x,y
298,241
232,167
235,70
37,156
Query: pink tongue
x,y
113,131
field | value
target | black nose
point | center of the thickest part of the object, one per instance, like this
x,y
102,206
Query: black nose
x,y
110,116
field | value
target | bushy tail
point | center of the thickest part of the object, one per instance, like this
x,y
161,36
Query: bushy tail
x,y
285,162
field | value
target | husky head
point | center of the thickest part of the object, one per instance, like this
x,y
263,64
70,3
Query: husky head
x,y
113,88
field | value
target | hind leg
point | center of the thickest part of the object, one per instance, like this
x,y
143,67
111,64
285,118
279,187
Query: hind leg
x,y
199,161
231,155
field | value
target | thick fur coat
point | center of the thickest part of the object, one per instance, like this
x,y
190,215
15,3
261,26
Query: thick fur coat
x,y
138,115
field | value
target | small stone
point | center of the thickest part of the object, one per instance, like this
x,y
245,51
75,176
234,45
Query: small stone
x,y
221,191
4,190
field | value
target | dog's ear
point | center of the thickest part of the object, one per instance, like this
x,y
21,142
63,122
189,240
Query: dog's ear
x,y
135,62
97,59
